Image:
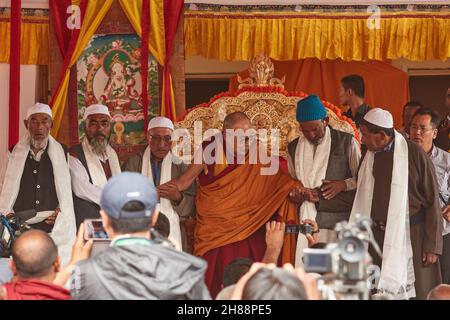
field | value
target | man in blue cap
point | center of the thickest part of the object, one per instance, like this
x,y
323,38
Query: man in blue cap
x,y
135,266
326,162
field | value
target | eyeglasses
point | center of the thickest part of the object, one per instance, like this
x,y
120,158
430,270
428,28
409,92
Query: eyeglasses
x,y
422,129
95,123
158,139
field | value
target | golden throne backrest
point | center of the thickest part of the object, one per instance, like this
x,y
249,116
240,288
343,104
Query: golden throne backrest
x,y
263,99
266,110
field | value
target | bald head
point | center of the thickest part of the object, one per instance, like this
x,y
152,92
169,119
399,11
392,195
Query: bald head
x,y
441,292
34,253
236,120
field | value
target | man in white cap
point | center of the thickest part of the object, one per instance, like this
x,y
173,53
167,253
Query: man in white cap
x,y
36,181
157,163
397,189
92,163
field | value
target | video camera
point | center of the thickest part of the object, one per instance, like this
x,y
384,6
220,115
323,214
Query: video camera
x,y
11,227
345,265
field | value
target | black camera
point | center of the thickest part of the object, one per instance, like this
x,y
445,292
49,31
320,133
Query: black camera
x,y
346,265
11,227
303,228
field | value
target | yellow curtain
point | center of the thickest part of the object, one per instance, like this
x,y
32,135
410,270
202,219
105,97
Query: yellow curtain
x,y
133,9
172,98
34,40
292,36
95,12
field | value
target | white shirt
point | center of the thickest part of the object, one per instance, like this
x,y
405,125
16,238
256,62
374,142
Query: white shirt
x,y
81,185
37,156
441,161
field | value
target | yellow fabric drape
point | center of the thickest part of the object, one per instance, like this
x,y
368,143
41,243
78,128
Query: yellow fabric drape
x,y
133,9
172,98
293,36
34,40
95,12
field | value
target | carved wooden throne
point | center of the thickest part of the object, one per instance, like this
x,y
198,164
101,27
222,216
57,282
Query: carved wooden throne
x,y
268,105
265,101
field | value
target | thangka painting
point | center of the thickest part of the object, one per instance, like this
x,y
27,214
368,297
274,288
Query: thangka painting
x,y
108,73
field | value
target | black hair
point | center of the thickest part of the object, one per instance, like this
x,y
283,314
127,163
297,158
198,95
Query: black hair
x,y
424,111
274,284
373,128
354,82
163,225
319,245
235,270
412,103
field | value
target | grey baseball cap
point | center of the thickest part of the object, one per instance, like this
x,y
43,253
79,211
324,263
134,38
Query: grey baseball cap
x,y
125,187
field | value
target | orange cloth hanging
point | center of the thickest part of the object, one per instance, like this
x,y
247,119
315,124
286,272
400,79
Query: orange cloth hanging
x,y
386,86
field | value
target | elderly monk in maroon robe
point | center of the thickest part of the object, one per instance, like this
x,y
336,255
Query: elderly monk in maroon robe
x,y
234,201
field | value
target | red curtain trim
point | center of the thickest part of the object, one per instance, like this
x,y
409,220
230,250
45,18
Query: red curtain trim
x,y
70,50
145,23
14,73
172,14
59,16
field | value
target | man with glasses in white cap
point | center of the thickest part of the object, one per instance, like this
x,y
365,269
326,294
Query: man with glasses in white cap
x,y
397,189
158,164
36,180
92,163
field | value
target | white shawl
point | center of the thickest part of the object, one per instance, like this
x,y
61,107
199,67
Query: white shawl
x,y
64,231
165,204
310,169
397,272
95,167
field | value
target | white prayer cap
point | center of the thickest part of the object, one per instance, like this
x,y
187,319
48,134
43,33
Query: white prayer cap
x,y
96,109
39,108
160,122
380,117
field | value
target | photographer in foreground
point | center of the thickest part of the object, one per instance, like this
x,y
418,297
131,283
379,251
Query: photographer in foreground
x,y
34,264
135,266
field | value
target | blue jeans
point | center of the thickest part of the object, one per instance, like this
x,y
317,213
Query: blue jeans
x,y
5,272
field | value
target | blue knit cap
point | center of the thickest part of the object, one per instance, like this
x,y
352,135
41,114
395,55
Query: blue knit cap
x,y
310,109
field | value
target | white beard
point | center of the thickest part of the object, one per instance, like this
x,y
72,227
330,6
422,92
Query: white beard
x,y
99,147
38,144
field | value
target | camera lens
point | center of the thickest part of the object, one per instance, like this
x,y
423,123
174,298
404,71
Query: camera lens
x,y
352,249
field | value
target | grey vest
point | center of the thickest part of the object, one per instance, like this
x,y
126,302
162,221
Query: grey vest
x,y
83,209
329,212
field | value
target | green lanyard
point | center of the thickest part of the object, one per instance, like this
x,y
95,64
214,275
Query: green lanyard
x,y
132,241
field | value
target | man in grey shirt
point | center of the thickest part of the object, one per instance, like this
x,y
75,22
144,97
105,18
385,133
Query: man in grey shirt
x,y
423,130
